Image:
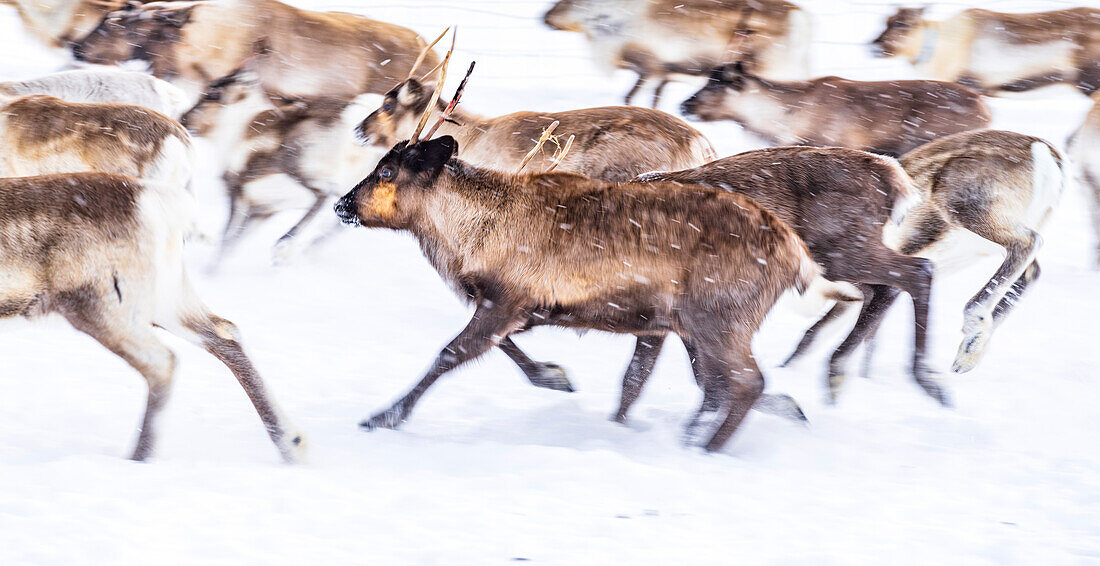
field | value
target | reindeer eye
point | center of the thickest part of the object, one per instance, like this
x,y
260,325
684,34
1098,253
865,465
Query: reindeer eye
x,y
387,106
385,173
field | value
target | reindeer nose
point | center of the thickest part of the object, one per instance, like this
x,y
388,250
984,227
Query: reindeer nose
x,y
344,210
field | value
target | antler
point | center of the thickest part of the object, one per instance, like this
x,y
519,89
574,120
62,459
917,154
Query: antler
x,y
435,95
446,115
542,139
424,53
560,154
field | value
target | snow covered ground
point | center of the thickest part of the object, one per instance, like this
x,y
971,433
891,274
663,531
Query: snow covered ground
x,y
490,470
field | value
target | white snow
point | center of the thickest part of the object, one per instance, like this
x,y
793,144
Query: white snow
x,y
490,470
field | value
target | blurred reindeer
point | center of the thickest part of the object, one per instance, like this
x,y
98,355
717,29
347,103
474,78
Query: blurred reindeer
x,y
660,39
105,252
310,140
311,53
103,85
888,117
995,52
1001,186
1084,147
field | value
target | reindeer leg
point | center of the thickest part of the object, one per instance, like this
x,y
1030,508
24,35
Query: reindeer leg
x,y
541,374
869,341
734,367
112,323
642,78
282,250
1015,293
646,350
490,324
657,92
978,314
838,310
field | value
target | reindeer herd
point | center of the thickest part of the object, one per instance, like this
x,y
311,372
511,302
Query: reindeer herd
x,y
633,225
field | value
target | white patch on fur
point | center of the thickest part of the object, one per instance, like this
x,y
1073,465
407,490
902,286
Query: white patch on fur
x,y
648,176
958,249
1048,182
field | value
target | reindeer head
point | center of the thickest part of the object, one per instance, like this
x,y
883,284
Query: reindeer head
x,y
725,85
396,118
902,36
400,185
239,89
136,32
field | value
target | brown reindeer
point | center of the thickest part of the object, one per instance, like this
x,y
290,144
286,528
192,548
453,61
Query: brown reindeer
x,y
888,117
310,53
565,250
660,39
995,52
606,142
1085,150
104,251
838,200
999,185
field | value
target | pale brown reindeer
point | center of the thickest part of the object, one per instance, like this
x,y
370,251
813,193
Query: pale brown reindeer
x,y
1001,186
104,251
310,53
663,39
565,250
888,117
41,134
311,140
995,52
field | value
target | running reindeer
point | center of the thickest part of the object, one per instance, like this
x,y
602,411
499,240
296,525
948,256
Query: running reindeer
x,y
311,140
105,252
606,142
1085,149
622,258
661,39
999,185
888,117
838,200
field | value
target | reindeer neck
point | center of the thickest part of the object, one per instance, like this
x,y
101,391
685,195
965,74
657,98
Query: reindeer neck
x,y
471,124
462,212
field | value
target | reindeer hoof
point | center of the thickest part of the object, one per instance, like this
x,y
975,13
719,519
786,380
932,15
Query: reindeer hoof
x,y
551,376
619,417
781,405
283,252
833,382
970,352
292,447
390,419
699,430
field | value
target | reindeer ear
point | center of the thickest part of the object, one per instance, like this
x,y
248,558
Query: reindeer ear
x,y
432,154
409,92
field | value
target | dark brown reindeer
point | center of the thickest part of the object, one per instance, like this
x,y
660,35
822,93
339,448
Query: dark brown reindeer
x,y
888,117
565,250
838,200
105,252
999,185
